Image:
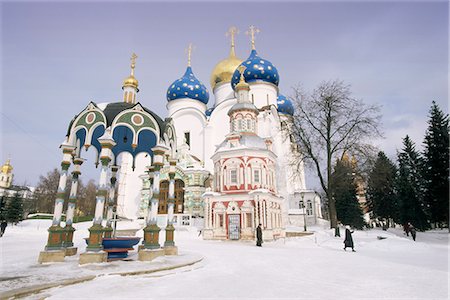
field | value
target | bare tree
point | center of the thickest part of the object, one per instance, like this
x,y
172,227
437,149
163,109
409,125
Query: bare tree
x,y
46,190
325,125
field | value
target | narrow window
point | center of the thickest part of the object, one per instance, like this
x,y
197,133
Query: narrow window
x,y
187,138
249,220
233,176
256,178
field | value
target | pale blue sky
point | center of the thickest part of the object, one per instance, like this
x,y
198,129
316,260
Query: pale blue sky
x,y
56,57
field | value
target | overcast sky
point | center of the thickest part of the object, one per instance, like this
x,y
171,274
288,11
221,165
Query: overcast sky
x,y
56,57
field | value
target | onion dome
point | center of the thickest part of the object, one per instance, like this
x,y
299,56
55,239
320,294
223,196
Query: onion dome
x,y
188,86
285,105
224,69
7,168
258,69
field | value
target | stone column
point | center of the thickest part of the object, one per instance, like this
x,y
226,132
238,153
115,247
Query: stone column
x,y
151,247
56,232
96,230
111,202
69,230
170,207
54,250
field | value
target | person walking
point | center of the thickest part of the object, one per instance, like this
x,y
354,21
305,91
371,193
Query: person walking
x,y
259,236
3,225
406,228
412,229
348,242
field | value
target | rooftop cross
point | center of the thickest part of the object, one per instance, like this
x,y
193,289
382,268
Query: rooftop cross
x,y
252,31
189,52
133,63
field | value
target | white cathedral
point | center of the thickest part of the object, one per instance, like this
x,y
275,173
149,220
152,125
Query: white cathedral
x,y
232,159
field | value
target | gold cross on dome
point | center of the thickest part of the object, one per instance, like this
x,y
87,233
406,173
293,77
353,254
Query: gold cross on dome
x,y
189,52
133,62
252,31
232,33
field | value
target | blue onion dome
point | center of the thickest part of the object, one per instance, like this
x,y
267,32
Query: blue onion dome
x,y
285,105
257,69
209,111
188,86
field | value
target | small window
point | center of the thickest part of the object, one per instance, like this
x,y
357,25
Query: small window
x,y
220,220
240,125
301,205
233,176
249,124
309,208
249,220
187,138
256,177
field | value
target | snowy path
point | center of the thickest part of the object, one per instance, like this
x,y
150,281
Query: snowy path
x,y
314,267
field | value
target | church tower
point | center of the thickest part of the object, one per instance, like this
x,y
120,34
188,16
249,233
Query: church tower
x,y
130,84
6,175
187,98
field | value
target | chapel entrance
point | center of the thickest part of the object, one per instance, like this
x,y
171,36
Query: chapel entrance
x,y
164,196
234,227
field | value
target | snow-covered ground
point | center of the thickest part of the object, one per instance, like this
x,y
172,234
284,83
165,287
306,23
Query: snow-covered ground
x,y
312,267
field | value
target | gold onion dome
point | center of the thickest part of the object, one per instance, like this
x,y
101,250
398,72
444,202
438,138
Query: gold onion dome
x,y
7,168
224,69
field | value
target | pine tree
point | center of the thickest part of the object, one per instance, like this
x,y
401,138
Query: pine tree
x,y
14,209
381,194
410,186
436,171
344,192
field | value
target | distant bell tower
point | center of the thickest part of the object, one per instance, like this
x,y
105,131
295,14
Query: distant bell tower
x,y
130,84
6,175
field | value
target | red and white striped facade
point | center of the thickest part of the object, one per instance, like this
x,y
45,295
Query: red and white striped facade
x,y
244,189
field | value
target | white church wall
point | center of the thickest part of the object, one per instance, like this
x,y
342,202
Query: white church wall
x,y
263,94
189,119
222,92
130,185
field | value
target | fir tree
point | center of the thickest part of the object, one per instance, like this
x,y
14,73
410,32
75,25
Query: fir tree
x,y
381,196
436,171
14,209
344,192
410,186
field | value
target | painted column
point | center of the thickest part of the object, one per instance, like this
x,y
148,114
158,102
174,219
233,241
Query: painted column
x,y
96,230
56,232
170,206
111,202
72,202
151,231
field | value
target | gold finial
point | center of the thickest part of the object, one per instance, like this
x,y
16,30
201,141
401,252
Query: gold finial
x,y
252,31
133,63
241,69
189,52
232,33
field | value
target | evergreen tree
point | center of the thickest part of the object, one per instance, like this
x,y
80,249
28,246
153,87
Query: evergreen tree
x,y
3,208
344,192
410,186
436,171
14,209
381,196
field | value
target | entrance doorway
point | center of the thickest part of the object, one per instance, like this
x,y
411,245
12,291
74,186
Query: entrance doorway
x,y
234,227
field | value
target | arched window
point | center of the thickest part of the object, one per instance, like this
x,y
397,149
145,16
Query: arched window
x,y
163,196
309,208
179,196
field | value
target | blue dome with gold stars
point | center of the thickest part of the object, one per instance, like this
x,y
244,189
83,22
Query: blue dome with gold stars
x,y
257,69
284,105
188,86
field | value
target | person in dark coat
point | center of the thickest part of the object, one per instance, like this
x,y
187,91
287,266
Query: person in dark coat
x,y
406,228
348,242
259,236
3,225
412,230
